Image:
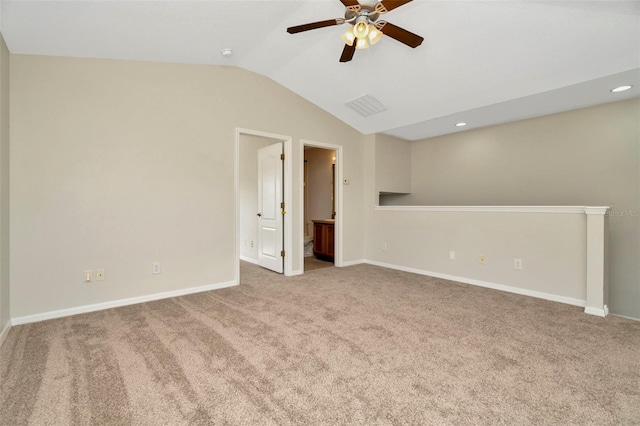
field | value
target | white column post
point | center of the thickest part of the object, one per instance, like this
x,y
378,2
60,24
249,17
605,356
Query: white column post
x,y
597,260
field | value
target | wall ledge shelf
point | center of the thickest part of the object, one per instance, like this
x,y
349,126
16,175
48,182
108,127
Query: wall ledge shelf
x,y
500,209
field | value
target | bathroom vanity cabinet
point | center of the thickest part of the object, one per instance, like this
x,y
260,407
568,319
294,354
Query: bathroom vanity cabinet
x,y
323,239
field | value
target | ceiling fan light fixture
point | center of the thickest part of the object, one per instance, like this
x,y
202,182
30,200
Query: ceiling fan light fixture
x,y
361,28
362,43
374,35
348,37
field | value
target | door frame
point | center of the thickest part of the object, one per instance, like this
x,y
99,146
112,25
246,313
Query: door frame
x,y
287,142
338,228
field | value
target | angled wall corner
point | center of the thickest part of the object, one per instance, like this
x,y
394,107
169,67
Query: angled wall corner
x,y
597,261
5,322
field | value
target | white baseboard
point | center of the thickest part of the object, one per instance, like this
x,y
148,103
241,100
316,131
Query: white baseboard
x,y
494,286
626,317
352,262
248,259
597,311
117,303
5,332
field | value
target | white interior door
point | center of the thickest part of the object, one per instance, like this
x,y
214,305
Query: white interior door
x,y
270,220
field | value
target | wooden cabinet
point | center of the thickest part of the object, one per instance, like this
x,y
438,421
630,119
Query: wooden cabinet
x,y
323,239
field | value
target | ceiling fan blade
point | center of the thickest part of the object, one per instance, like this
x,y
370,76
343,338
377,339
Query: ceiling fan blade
x,y
347,53
314,25
402,35
349,3
389,5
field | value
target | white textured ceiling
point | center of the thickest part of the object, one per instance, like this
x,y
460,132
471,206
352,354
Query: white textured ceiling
x,y
483,62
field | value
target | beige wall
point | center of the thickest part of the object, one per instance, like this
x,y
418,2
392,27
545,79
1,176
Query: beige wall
x,y
393,164
552,247
584,157
4,186
117,164
319,184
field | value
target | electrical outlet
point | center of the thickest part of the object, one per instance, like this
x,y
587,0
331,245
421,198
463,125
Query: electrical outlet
x,y
251,243
99,274
384,246
155,268
452,255
517,263
481,259
87,276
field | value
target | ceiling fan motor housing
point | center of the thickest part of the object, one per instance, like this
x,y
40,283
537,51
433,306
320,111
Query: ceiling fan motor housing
x,y
367,11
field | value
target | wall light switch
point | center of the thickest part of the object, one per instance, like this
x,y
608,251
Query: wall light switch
x,y
87,276
452,255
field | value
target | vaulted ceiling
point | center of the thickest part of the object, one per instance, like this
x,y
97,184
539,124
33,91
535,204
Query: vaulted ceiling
x,y
482,62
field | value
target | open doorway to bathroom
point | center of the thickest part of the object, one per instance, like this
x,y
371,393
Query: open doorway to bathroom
x,y
319,204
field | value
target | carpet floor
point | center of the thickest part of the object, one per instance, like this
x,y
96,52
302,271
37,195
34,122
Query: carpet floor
x,y
356,345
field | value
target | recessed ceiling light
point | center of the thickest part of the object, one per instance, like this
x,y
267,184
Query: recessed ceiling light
x,y
461,124
621,89
226,52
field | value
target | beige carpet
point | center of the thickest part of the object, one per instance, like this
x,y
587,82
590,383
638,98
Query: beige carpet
x,y
357,345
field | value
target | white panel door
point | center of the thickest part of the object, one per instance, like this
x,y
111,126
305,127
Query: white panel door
x,y
270,220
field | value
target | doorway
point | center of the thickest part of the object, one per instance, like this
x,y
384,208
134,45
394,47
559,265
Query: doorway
x,y
255,241
320,205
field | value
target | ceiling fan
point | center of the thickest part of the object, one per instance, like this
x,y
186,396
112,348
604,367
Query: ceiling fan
x,y
366,28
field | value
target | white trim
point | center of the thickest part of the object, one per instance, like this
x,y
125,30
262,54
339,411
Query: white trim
x,y
596,311
353,262
596,210
287,142
501,287
248,259
338,227
5,332
492,209
297,272
118,303
288,203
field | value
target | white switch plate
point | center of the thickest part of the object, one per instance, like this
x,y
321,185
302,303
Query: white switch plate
x,y
517,263
155,268
87,276
99,274
452,255
384,246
